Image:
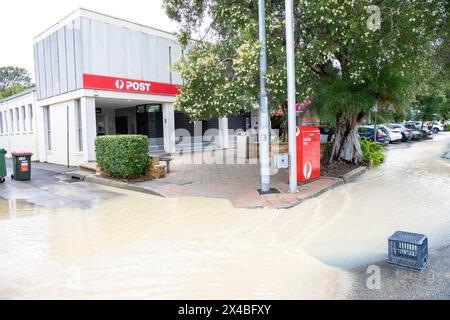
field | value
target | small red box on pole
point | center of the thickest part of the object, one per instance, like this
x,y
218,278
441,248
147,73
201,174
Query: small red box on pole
x,y
308,153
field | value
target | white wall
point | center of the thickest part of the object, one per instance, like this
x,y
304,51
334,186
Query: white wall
x,y
62,129
22,136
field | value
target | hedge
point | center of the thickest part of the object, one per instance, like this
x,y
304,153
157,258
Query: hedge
x,y
122,156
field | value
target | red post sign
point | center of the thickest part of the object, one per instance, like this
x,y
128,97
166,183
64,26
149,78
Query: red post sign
x,y
308,153
91,81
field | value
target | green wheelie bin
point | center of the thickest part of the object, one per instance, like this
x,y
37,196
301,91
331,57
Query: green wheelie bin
x,y
2,165
21,166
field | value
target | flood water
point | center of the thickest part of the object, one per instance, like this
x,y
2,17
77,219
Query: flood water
x,y
146,247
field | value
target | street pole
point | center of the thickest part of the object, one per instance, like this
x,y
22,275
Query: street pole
x,y
264,129
292,123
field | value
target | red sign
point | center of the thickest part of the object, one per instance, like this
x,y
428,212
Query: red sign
x,y
91,81
308,153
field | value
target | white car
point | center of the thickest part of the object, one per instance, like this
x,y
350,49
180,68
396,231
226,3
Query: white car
x,y
436,126
394,134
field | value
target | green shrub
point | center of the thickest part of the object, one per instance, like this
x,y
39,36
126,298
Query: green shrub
x,y
372,152
122,156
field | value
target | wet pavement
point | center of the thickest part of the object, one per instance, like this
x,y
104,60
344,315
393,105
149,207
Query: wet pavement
x,y
83,241
399,283
50,189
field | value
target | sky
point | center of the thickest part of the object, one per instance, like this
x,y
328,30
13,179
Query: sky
x,y
22,20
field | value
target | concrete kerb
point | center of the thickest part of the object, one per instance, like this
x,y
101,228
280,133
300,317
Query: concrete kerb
x,y
86,177
120,185
336,183
352,175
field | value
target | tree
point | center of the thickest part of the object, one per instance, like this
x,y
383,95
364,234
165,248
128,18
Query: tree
x,y
345,60
13,80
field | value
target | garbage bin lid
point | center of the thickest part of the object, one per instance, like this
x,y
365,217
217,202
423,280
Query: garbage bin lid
x,y
21,153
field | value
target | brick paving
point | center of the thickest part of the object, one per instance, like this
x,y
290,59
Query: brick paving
x,y
236,182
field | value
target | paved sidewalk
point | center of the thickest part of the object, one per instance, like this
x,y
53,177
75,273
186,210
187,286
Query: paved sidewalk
x,y
237,182
48,188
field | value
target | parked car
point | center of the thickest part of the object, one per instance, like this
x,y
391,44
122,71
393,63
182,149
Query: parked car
x,y
326,134
406,133
368,132
426,134
395,135
435,126
416,134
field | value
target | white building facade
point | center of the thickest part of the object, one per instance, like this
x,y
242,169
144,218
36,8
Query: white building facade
x,y
18,123
101,75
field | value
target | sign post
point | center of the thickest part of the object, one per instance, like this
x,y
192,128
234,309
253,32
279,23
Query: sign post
x,y
264,129
289,12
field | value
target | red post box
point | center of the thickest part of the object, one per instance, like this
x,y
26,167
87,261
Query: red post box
x,y
308,153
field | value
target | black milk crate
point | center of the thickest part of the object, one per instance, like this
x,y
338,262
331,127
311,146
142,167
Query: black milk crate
x,y
408,250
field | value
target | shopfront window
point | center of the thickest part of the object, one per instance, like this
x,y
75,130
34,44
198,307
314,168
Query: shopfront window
x,y
24,118
30,116
79,125
17,120
11,119
1,122
47,128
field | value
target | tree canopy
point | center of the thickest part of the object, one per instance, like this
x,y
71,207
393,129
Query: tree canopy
x,y
348,57
13,80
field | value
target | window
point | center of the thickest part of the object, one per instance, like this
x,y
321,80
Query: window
x,y
1,121
47,128
30,116
5,119
17,120
79,125
24,118
11,119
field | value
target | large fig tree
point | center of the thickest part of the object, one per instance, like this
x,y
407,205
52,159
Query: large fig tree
x,y
350,56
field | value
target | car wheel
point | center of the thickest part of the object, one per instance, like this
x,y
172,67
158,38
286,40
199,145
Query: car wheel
x,y
436,130
2,180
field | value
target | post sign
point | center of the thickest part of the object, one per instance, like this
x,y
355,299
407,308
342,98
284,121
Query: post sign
x,y
91,81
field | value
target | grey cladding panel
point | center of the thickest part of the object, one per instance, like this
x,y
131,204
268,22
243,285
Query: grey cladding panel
x,y
55,64
78,53
70,51
117,53
48,66
134,54
41,69
149,57
162,52
62,60
99,45
36,69
86,40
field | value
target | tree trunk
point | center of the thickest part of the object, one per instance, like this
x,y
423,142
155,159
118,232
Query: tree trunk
x,y
346,145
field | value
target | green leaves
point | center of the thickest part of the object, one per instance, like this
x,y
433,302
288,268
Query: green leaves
x,y
372,152
122,156
13,80
337,54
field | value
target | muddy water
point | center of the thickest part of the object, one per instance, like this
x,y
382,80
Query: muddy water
x,y
410,191
139,246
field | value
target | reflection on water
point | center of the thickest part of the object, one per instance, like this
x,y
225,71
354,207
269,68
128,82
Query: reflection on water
x,y
16,208
140,246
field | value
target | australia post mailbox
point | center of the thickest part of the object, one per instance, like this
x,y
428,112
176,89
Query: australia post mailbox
x,y
308,153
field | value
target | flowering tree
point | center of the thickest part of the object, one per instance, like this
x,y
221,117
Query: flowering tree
x,y
350,56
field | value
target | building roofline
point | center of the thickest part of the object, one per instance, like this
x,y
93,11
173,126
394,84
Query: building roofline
x,y
18,95
84,12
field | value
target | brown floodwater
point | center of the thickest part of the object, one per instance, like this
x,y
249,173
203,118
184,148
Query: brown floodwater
x,y
147,247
